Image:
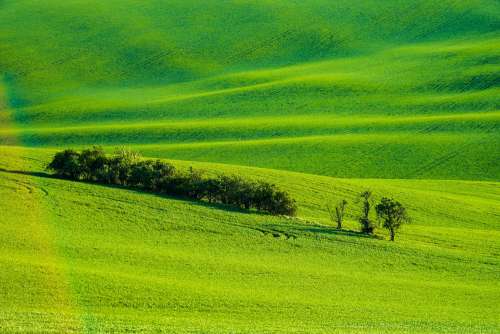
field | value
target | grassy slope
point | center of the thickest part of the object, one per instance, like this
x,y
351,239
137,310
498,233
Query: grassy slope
x,y
371,90
356,84
144,262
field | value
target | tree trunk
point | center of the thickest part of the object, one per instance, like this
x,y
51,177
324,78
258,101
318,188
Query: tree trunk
x,y
392,234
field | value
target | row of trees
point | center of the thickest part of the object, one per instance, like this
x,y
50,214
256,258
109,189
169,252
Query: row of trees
x,y
390,213
126,168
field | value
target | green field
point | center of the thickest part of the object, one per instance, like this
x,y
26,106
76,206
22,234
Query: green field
x,y
324,98
360,85
95,258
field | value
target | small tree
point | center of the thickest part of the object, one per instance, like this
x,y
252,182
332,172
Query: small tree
x,y
126,168
66,164
283,204
211,189
393,215
92,163
122,164
263,195
337,215
148,173
143,175
194,185
367,226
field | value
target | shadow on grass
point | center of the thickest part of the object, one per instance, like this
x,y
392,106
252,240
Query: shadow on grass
x,y
335,231
291,230
313,229
206,204
22,172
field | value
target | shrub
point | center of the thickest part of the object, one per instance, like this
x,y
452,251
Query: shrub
x,y
233,190
93,163
121,165
337,215
173,185
125,168
143,175
211,189
194,184
263,195
282,204
367,225
148,174
66,164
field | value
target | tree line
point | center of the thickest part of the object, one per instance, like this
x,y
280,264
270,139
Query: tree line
x,y
389,212
126,168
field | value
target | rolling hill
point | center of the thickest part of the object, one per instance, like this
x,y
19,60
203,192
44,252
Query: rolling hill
x,y
78,257
368,90
323,98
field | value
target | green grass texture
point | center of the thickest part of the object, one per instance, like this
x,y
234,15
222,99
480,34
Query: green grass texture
x,y
79,257
324,98
399,89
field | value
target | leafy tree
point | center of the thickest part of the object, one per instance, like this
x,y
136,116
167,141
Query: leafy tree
x,y
193,185
143,175
66,164
263,195
239,192
367,225
121,165
93,163
283,204
393,214
246,194
127,156
148,173
163,169
126,168
211,189
173,185
337,215
228,189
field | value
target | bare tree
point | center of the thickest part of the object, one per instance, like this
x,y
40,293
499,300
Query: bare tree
x,y
337,215
367,226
